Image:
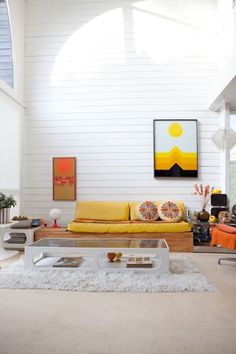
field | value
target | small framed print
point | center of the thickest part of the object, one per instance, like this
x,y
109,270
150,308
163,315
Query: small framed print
x,y
64,178
175,148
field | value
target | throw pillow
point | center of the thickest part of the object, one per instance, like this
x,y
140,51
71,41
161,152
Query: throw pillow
x,y
169,211
147,211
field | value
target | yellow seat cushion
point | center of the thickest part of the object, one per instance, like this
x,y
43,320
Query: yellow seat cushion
x,y
132,227
99,210
133,206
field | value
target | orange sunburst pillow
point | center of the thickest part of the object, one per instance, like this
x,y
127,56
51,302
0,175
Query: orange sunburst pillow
x,y
169,211
147,211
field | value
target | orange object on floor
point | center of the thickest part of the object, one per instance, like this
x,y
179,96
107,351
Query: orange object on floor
x,y
224,235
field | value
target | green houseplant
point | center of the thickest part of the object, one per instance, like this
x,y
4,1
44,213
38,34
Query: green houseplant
x,y
6,202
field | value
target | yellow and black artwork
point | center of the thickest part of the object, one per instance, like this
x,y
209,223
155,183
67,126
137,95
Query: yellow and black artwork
x,y
175,148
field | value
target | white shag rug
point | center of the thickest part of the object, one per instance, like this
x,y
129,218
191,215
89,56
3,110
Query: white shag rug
x,y
183,277
5,254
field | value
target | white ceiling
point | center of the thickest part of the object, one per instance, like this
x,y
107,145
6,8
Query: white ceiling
x,y
228,95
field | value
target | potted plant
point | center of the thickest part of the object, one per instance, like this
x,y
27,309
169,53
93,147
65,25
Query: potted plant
x,y
6,202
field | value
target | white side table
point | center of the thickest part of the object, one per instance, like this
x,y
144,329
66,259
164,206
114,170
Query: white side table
x,y
28,234
3,253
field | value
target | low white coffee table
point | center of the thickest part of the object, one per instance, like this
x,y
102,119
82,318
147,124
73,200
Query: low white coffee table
x,y
45,253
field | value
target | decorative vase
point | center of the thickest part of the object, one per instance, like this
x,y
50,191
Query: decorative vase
x,y
4,216
111,256
203,215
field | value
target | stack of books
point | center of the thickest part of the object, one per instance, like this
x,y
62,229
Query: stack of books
x,y
16,238
139,262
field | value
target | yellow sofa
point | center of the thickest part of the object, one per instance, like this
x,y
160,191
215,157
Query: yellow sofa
x,y
105,219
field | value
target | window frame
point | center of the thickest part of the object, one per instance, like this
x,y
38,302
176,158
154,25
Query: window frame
x,y
232,112
2,86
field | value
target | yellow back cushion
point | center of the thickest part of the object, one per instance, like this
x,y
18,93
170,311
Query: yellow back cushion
x,y
100,210
133,206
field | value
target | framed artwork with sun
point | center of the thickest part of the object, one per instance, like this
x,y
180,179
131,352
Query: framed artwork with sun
x,y
64,178
175,148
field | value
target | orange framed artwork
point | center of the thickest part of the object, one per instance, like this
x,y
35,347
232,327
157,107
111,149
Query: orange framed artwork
x,y
64,178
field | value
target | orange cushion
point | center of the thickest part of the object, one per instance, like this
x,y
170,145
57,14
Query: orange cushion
x,y
223,238
226,228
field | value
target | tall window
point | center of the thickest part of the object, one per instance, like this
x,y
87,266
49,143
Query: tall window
x,y
232,187
6,63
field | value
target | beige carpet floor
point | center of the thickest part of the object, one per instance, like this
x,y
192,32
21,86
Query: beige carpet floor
x,y
48,322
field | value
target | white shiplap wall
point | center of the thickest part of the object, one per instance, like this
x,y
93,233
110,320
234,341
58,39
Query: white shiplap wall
x,y
97,73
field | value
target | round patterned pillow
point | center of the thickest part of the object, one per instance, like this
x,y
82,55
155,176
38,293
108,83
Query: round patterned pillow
x,y
147,211
169,211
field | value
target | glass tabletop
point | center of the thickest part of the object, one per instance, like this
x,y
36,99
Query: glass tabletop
x,y
102,243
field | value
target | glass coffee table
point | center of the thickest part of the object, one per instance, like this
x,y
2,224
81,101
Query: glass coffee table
x,y
94,253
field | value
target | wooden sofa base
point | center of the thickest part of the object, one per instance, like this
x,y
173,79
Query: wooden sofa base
x,y
177,241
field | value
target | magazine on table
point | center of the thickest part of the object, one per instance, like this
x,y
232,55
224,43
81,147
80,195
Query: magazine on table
x,y
69,262
139,262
